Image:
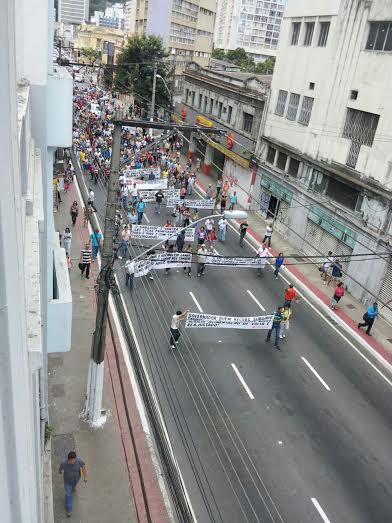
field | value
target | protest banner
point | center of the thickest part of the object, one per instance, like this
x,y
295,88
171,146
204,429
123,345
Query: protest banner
x,y
192,204
150,185
170,260
155,232
227,261
137,173
142,268
196,320
149,196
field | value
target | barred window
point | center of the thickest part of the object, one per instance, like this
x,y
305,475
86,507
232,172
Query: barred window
x,y
380,36
281,103
360,127
295,30
309,30
292,108
323,35
306,110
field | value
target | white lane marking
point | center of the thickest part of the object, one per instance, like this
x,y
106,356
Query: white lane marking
x,y
315,372
216,252
256,300
196,302
243,381
320,510
146,217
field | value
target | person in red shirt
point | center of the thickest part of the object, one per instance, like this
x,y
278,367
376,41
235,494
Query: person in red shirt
x,y
290,295
338,293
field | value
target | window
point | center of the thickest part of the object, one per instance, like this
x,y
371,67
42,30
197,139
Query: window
x,y
281,161
380,36
193,97
309,30
293,167
229,113
292,108
205,103
311,86
271,155
211,105
187,95
342,193
318,181
200,100
295,30
360,127
306,110
220,110
247,123
323,35
281,103
353,95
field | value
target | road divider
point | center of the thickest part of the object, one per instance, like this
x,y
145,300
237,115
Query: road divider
x,y
239,376
315,373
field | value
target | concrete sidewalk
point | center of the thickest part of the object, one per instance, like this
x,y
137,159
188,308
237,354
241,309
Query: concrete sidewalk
x,y
108,494
350,311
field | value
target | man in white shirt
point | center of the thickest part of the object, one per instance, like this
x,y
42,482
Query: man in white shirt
x,y
91,197
222,228
262,253
129,273
268,234
201,259
134,194
326,267
174,327
209,223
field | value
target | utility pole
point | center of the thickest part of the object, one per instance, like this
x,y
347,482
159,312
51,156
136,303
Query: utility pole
x,y
154,86
93,407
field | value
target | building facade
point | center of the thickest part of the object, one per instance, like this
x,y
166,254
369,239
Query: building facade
x,y
186,28
326,155
130,16
35,294
113,17
254,25
73,11
106,40
232,101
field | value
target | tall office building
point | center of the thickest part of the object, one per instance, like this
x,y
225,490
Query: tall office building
x,y
186,29
251,24
73,11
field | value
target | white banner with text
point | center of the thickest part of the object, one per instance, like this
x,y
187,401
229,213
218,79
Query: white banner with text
x,y
196,320
155,232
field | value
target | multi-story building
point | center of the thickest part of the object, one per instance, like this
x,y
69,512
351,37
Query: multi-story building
x,y
130,16
73,11
253,25
35,294
326,146
232,101
186,28
108,41
113,17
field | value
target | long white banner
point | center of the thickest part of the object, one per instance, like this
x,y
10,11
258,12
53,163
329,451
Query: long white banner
x,y
196,320
137,173
164,260
149,196
226,261
154,232
193,204
150,185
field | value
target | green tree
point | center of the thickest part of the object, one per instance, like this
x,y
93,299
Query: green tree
x,y
219,54
135,70
90,54
266,67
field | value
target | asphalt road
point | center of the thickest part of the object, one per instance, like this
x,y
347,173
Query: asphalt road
x,y
305,437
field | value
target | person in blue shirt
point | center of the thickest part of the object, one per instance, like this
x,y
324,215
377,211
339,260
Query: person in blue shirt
x,y
140,210
279,261
95,240
369,317
233,201
278,317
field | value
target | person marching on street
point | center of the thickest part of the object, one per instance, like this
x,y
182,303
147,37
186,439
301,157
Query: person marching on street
x,y
202,253
290,295
285,323
96,240
368,318
129,273
174,327
338,293
263,254
188,250
158,201
222,228
279,261
124,245
243,229
72,468
233,201
180,241
278,317
140,210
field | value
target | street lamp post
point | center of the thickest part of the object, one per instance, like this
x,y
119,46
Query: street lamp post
x,y
229,215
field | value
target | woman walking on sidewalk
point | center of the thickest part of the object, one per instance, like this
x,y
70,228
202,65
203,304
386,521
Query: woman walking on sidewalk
x,y
67,238
74,212
339,292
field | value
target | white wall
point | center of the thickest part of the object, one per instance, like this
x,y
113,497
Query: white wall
x,y
343,65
